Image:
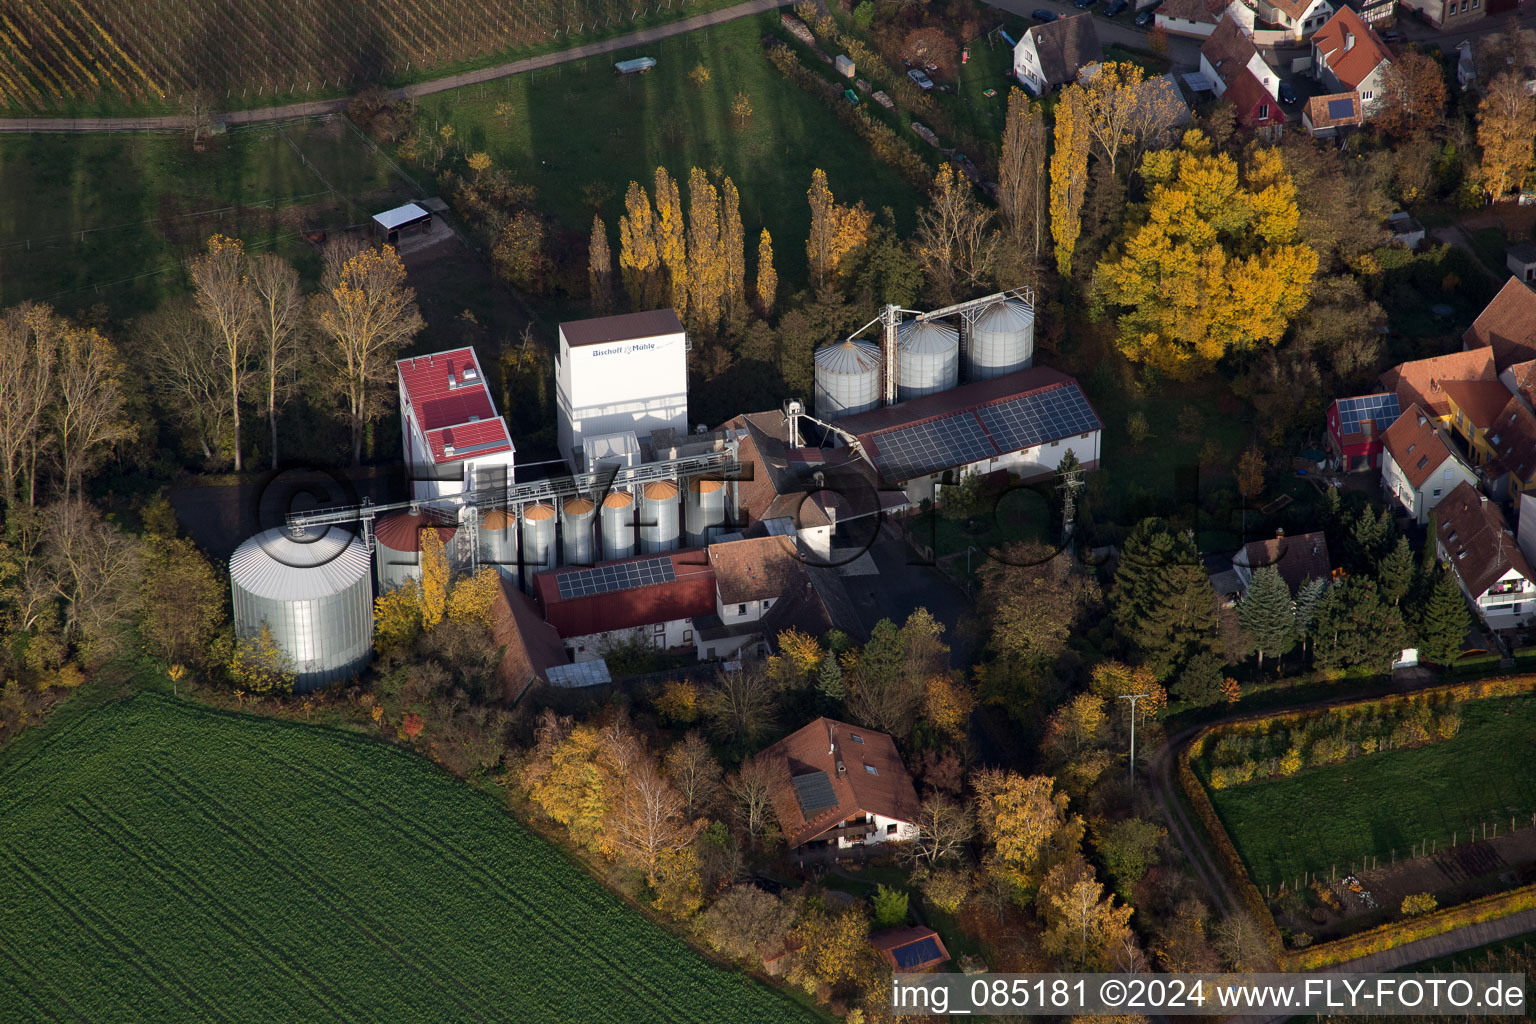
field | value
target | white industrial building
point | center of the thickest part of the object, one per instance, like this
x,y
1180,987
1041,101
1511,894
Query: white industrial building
x,y
453,437
620,374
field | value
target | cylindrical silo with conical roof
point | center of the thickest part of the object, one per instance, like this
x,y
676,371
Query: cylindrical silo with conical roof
x,y
397,546
706,510
578,516
617,521
1002,340
847,378
498,541
927,358
314,596
658,517
537,528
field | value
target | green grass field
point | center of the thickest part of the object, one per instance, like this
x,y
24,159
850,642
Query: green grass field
x,y
1375,804
167,862
144,203
581,125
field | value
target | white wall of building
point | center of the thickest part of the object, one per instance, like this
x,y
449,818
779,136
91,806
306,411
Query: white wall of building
x,y
1027,464
638,384
887,830
436,480
1419,502
1507,604
662,635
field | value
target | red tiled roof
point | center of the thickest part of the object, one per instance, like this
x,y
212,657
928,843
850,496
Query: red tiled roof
x,y
1247,95
448,389
1354,65
1419,381
1417,446
754,569
1480,400
530,646
1317,108
818,748
1507,325
1295,8
889,942
1524,377
690,595
1478,543
483,437
1228,50
1300,558
1513,437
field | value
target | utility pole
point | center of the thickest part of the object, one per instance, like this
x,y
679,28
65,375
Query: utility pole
x,y
1133,698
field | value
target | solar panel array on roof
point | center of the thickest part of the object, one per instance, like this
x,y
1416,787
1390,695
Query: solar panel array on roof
x,y
924,448
1339,110
813,792
1353,412
604,579
1033,419
915,954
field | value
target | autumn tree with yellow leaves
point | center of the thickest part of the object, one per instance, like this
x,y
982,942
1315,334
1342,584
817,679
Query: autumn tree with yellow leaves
x,y
1026,826
1210,264
733,244
600,269
706,274
1084,928
1506,128
672,239
836,232
1069,175
767,283
639,251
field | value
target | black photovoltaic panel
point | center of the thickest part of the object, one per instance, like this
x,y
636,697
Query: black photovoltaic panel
x,y
916,954
1029,420
814,793
1340,109
604,579
909,452
1355,411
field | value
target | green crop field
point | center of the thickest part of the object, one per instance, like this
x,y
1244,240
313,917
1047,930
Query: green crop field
x,y
1379,803
167,862
580,130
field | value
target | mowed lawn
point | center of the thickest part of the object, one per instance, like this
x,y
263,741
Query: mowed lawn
x,y
580,134
1379,803
166,862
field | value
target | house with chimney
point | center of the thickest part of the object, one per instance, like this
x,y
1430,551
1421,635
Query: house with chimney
x,y
1052,54
839,788
1420,463
1473,539
1349,57
1231,64
1299,558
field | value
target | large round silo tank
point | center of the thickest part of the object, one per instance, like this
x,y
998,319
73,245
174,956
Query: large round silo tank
x,y
538,539
314,595
1002,340
617,522
397,546
498,541
927,358
705,510
847,378
579,514
658,517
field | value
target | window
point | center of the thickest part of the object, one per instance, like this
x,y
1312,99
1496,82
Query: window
x,y
687,636
1437,492
1365,95
741,609
1263,111
1463,6
1055,444
856,737
871,769
890,830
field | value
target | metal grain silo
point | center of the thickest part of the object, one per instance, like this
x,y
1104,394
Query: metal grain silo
x,y
847,378
397,546
658,517
577,530
927,358
498,541
1002,340
706,510
314,595
617,521
538,538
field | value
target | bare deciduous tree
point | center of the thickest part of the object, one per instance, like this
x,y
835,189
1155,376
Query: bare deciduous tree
x,y
695,773
88,413
953,241
279,319
176,351
1022,178
224,298
96,572
647,822
943,829
741,703
28,349
752,788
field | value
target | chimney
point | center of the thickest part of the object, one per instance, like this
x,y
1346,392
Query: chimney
x,y
1279,533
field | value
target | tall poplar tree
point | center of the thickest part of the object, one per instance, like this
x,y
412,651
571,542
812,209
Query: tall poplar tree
x,y
672,239
706,256
733,241
1069,175
1022,177
639,254
600,269
819,243
767,284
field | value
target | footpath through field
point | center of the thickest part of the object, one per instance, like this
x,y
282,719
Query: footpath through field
x,y
294,110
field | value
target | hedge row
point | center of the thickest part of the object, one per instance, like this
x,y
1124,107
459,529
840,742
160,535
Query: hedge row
x,y
1386,936
1411,929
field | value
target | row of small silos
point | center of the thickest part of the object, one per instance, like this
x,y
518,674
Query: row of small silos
x,y
1000,340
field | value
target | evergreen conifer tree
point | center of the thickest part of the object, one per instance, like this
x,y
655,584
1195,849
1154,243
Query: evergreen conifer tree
x,y
829,680
1308,596
1446,620
1394,575
1180,621
1267,614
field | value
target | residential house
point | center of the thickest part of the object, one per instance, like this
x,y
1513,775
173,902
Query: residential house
x,y
751,575
1473,539
1461,15
1475,406
1230,61
1052,54
1378,14
1199,18
1520,258
1418,381
839,787
1299,559
1406,231
911,950
1300,17
1355,426
651,600
1348,56
1520,379
1328,116
1511,471
1420,464
1507,325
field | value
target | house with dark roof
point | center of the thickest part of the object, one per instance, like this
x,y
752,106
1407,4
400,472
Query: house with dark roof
x,y
1300,18
1299,558
1420,464
1327,116
1421,381
1052,54
751,575
1348,56
651,600
1231,63
1021,423
453,437
838,787
912,950
1510,471
530,646
1472,537
1355,426
1507,325
1199,18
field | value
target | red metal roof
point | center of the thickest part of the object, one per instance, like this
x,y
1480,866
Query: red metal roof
x,y
448,390
691,594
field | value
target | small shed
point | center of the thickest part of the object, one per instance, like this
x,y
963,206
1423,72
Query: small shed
x,y
844,65
404,220
1520,258
1405,230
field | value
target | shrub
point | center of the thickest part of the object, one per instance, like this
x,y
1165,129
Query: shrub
x,y
890,907
1290,764
1419,903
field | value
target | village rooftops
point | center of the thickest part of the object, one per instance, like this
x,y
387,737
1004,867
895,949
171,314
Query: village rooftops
x,y
1350,47
652,323
1479,545
448,398
1480,401
1512,435
1228,50
1419,381
1418,446
753,569
1507,325
642,591
830,771
1299,558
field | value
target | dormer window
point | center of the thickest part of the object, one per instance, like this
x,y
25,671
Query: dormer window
x,y
871,769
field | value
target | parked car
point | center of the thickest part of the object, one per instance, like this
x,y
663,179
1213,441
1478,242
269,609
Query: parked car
x,y
922,80
1041,14
1145,18
1287,93
1117,8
